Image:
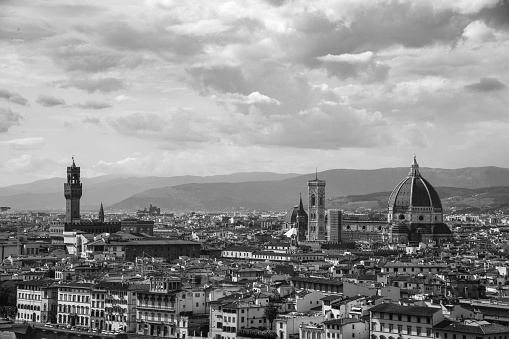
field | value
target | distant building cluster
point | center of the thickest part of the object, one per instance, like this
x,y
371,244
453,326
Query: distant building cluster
x,y
409,272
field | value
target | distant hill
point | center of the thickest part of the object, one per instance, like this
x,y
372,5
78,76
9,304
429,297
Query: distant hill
x,y
251,191
48,194
281,195
460,200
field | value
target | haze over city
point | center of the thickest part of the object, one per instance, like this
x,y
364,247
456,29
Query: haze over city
x,y
170,88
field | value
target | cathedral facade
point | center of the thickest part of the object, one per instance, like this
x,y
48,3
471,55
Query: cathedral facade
x,y
415,212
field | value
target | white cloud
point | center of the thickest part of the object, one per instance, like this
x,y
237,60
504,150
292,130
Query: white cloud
x,y
122,97
477,32
24,143
361,58
252,99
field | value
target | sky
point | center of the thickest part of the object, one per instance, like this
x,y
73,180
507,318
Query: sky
x,y
165,88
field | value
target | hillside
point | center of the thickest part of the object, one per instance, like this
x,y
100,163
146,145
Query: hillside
x,y
251,191
459,200
49,194
282,195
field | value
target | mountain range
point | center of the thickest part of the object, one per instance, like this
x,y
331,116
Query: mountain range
x,y
258,190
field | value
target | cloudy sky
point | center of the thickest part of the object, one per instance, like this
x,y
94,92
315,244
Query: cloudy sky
x,y
169,88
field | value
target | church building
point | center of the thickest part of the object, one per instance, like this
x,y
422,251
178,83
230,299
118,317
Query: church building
x,y
415,212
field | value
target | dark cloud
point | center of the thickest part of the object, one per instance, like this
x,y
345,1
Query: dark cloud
x,y
486,85
177,127
225,79
380,26
340,126
92,120
122,36
138,123
13,97
496,16
8,119
90,104
78,55
346,66
103,85
49,101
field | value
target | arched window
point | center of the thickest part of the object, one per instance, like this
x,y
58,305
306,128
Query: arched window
x,y
320,201
313,200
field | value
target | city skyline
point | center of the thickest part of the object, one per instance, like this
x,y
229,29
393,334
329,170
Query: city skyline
x,y
204,88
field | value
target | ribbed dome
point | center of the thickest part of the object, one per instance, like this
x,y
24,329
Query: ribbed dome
x,y
291,215
414,191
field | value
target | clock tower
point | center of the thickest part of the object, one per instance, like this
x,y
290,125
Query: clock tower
x,y
316,209
72,192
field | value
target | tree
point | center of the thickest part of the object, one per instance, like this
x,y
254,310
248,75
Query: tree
x,y
271,313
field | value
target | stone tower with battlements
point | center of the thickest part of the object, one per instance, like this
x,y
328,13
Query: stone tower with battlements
x,y
72,192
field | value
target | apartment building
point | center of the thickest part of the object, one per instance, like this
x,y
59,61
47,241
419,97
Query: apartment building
x,y
36,301
346,328
74,304
227,317
158,307
414,322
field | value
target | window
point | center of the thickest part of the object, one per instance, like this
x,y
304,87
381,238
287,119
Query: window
x,y
373,326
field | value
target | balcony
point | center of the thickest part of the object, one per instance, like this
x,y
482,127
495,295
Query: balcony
x,y
146,306
157,320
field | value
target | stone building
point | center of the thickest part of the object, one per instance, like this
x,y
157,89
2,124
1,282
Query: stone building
x,y
415,211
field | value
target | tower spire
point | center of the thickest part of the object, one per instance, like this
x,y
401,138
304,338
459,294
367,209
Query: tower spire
x,y
101,213
301,206
316,173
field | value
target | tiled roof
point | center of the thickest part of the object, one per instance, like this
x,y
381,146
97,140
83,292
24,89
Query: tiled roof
x,y
342,321
448,325
331,297
318,280
154,242
240,249
407,310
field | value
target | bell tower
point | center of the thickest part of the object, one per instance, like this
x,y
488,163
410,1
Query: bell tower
x,y
72,192
316,209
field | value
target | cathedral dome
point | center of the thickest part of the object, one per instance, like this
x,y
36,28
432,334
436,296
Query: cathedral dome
x,y
414,191
291,215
